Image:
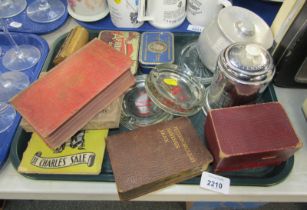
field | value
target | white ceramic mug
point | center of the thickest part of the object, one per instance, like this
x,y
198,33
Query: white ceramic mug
x,y
87,10
124,13
202,12
163,14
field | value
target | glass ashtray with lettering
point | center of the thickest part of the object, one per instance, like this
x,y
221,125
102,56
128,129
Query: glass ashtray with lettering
x,y
174,91
138,110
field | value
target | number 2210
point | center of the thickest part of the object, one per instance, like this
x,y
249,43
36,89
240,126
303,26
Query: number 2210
x,y
214,184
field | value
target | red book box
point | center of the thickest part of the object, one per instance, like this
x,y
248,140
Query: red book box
x,y
250,136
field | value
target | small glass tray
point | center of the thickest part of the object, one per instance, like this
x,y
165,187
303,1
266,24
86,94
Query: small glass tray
x,y
265,176
173,91
33,73
138,110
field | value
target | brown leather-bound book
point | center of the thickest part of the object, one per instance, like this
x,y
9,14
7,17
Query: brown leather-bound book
x,y
250,136
153,157
73,92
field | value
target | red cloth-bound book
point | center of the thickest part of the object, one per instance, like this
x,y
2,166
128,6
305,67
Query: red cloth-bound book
x,y
73,92
250,136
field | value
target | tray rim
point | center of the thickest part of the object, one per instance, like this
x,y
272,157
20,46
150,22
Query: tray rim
x,y
5,147
285,167
60,22
106,23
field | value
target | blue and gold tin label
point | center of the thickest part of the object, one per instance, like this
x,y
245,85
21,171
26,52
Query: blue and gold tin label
x,y
156,48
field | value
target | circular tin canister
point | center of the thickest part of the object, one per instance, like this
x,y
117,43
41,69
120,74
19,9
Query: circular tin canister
x,y
242,73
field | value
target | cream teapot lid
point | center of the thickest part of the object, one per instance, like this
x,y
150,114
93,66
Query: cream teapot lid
x,y
241,25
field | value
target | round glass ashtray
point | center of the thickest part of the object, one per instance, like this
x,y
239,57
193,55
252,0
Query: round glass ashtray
x,y
138,110
190,63
174,91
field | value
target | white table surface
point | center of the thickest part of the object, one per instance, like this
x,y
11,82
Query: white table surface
x,y
293,189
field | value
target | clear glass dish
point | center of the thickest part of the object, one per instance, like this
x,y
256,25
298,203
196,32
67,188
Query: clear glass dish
x,y
174,91
191,64
138,110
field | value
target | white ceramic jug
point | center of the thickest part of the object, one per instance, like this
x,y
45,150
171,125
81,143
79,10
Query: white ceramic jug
x,y
87,10
124,13
202,12
162,14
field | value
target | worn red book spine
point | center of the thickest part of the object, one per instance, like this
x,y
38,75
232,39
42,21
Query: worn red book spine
x,y
75,83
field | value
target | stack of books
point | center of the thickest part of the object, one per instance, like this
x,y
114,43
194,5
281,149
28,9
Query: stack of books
x,y
73,92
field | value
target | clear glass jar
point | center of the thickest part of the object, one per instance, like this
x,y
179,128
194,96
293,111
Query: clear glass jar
x,y
242,73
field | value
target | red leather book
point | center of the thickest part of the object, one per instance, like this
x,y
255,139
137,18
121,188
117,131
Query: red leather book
x,y
73,92
250,136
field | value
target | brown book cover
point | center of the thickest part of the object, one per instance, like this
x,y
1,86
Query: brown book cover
x,y
153,157
73,92
250,136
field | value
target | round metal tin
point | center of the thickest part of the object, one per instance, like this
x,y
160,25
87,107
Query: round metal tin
x,y
138,110
247,63
243,72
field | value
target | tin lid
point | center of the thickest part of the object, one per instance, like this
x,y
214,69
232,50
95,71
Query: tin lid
x,y
137,108
241,25
174,91
247,62
156,48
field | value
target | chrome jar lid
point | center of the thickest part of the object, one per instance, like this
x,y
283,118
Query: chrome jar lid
x,y
248,63
242,25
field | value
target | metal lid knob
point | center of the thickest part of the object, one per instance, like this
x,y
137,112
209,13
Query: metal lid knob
x,y
242,25
245,28
247,62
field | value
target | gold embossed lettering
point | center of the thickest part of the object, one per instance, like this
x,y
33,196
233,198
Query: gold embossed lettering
x,y
164,136
173,138
184,144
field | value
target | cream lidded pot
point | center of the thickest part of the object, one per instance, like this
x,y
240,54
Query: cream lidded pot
x,y
243,71
233,24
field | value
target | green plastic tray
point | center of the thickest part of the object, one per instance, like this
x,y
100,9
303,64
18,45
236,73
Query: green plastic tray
x,y
265,176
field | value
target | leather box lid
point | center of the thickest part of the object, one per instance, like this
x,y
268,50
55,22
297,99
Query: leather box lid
x,y
250,136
